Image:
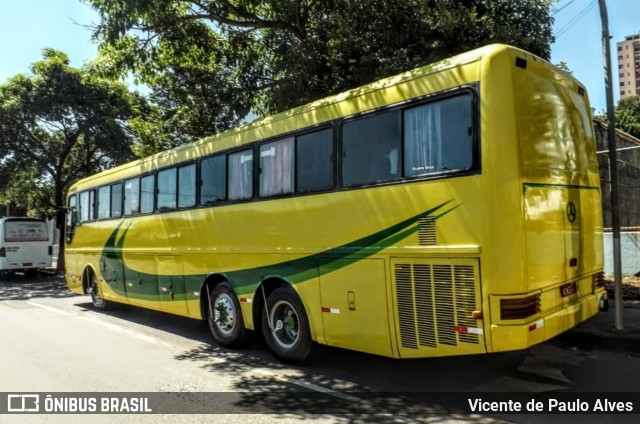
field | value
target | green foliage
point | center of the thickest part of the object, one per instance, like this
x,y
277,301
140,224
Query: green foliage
x,y
626,115
208,63
57,125
565,67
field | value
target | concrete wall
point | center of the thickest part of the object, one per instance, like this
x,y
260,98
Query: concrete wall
x,y
630,249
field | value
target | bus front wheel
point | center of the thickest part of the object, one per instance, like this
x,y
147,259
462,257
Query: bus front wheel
x,y
225,317
286,327
96,297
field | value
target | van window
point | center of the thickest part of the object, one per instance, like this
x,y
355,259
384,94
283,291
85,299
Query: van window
x,y
25,230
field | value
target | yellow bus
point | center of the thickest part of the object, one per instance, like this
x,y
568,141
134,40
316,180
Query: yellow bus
x,y
451,209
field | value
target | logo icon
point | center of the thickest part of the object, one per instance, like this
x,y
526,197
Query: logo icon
x,y
23,403
571,211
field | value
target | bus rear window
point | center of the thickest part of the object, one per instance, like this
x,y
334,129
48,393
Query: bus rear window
x,y
25,231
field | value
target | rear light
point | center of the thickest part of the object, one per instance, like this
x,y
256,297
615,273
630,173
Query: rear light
x,y
520,308
50,250
597,280
3,252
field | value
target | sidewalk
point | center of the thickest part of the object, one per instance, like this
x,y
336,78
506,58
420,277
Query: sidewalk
x,y
601,329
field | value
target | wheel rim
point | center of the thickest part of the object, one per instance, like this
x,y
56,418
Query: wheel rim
x,y
286,324
224,314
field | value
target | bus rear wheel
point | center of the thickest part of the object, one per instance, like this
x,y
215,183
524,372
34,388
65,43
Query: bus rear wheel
x,y
225,317
286,327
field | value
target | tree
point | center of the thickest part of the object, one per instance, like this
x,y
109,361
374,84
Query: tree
x,y
209,62
627,115
58,125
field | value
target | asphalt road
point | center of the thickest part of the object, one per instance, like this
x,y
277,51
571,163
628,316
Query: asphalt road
x,y
54,341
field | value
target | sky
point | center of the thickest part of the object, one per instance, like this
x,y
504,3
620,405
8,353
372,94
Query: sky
x,y
28,26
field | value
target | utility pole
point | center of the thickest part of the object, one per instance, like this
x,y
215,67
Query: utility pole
x,y
613,167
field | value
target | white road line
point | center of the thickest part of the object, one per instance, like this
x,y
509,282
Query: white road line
x,y
306,385
49,308
153,340
113,327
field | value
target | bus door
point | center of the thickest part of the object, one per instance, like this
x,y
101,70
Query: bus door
x,y
354,305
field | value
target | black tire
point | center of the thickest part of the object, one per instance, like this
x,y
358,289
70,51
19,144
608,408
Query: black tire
x,y
96,293
289,338
224,317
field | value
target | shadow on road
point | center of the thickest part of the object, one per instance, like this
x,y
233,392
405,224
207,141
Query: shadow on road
x,y
20,287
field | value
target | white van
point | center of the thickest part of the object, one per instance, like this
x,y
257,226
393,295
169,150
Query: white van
x,y
24,245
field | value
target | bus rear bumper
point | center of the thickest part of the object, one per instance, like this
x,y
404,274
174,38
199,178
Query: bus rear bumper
x,y
522,336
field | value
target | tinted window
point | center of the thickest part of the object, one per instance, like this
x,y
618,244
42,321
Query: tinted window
x,y
276,167
147,193
116,200
438,136
187,186
132,196
213,174
84,206
104,202
241,175
167,184
371,148
314,157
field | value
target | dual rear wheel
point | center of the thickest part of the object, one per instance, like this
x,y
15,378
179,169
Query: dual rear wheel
x,y
285,325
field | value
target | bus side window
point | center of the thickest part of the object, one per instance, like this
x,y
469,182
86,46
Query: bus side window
x,y
314,161
132,196
438,136
370,148
116,200
213,180
167,189
104,202
240,175
72,218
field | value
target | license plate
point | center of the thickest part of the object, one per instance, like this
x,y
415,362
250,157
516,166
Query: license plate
x,y
568,289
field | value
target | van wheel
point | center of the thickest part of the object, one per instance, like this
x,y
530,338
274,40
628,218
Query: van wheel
x,y
286,327
96,297
225,317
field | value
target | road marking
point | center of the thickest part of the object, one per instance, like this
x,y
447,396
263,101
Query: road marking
x,y
49,308
113,327
306,385
155,341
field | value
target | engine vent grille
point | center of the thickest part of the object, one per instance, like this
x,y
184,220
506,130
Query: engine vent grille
x,y
434,301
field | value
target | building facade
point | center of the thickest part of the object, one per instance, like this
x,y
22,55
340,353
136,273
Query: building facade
x,y
629,66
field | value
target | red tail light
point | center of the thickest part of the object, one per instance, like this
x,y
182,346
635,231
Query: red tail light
x,y
3,252
520,308
598,280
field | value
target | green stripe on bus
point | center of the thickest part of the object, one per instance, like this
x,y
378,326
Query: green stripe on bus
x,y
294,271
